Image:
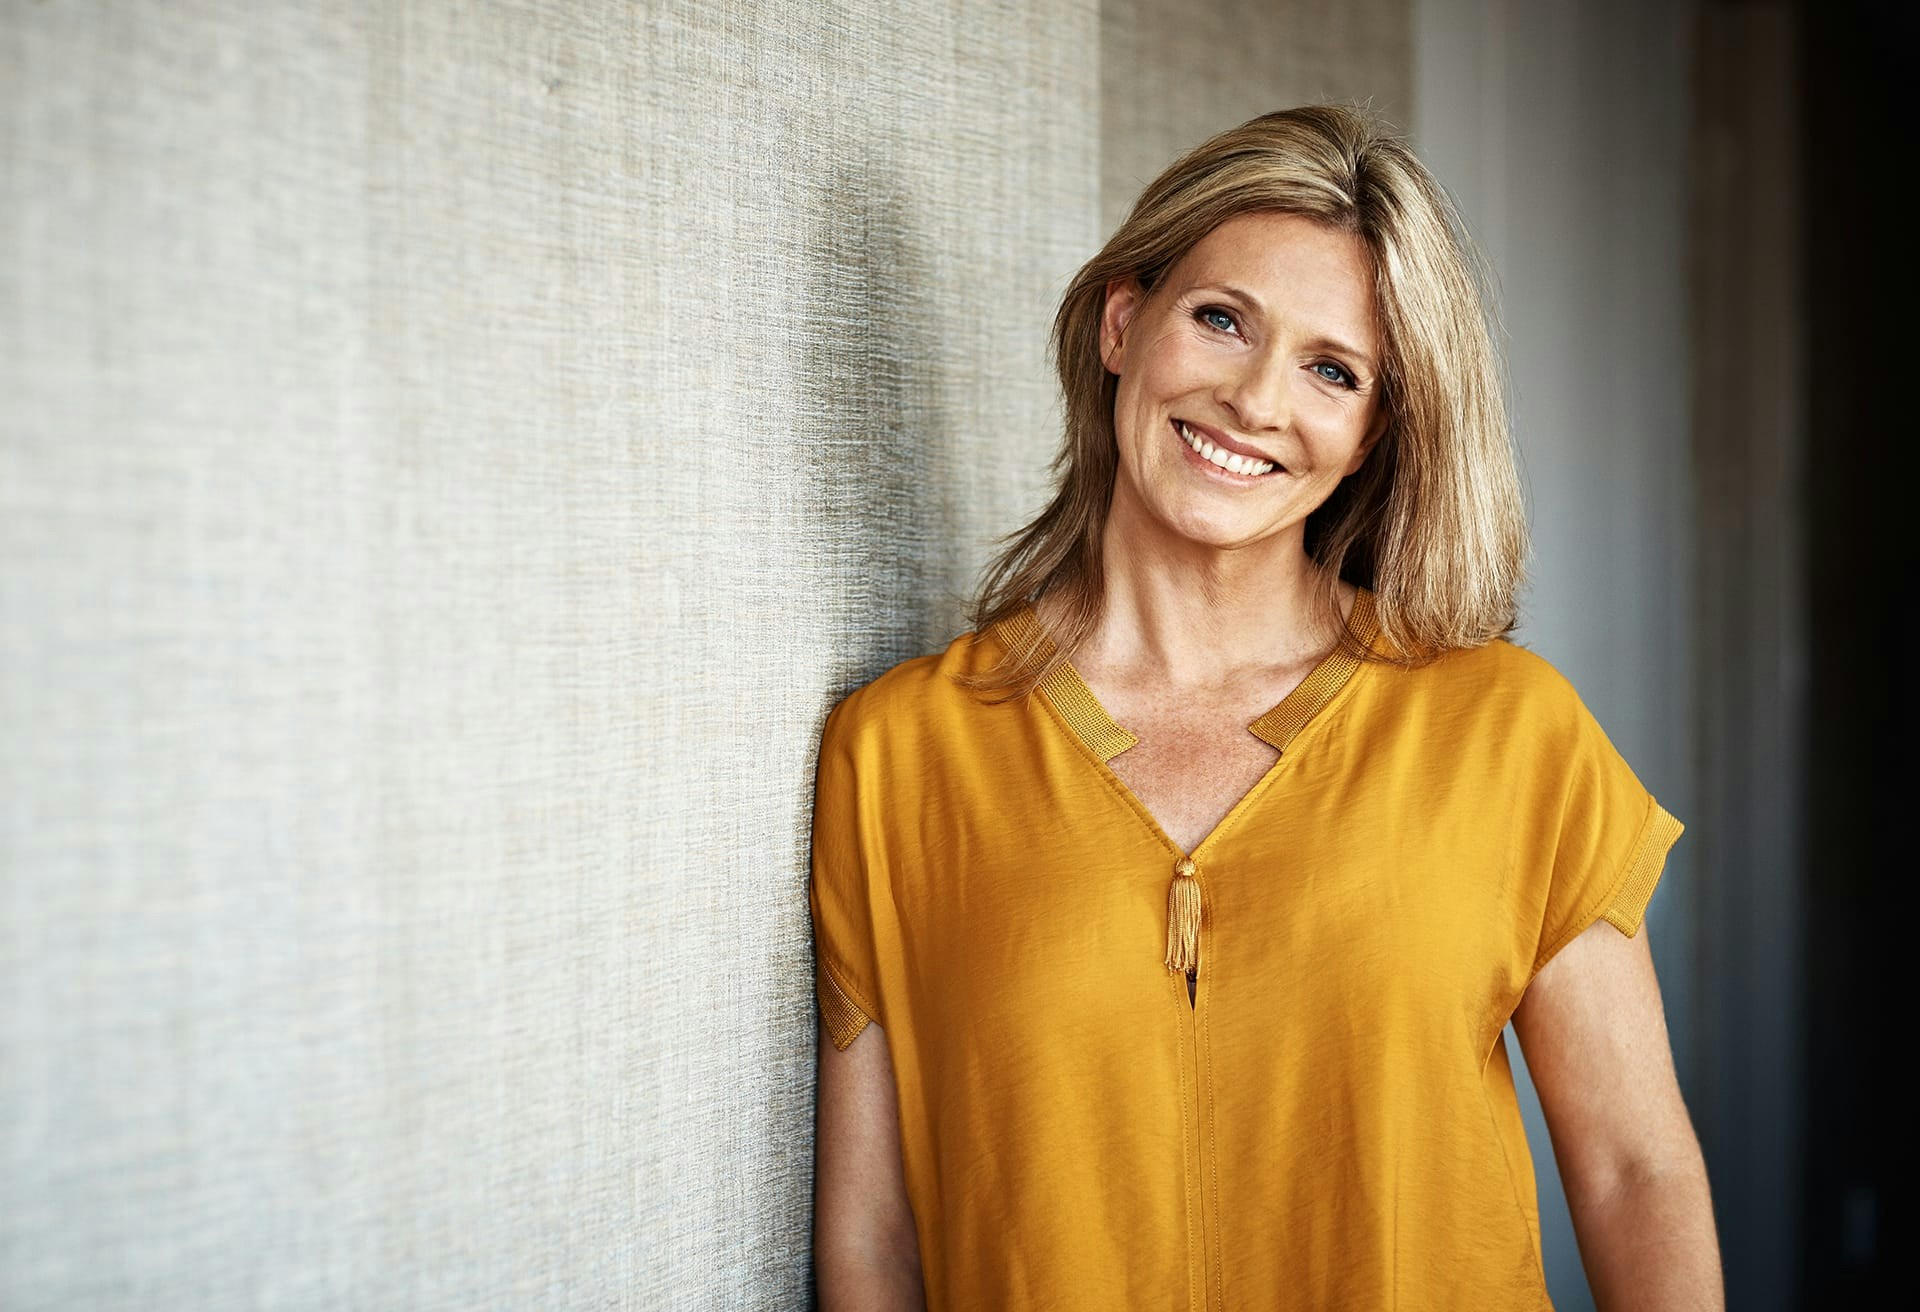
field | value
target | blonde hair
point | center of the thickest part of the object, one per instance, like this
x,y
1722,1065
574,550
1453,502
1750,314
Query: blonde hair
x,y
1432,521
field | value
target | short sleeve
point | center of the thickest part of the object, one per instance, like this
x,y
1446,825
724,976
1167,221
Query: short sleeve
x,y
845,968
1611,841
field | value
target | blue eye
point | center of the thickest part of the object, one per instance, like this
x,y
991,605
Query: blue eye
x,y
1215,317
1338,375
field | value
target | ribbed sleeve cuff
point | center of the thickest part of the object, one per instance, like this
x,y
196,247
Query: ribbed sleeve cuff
x,y
1629,903
839,1012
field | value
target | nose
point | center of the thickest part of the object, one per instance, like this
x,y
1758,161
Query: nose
x,y
1256,392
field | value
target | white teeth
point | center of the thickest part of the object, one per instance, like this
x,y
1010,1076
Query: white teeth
x,y
1228,460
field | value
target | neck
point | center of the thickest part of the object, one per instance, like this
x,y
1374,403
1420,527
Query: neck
x,y
1187,614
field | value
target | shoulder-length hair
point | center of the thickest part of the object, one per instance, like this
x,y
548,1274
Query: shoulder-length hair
x,y
1432,522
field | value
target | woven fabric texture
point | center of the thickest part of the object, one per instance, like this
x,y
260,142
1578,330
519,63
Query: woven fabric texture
x,y
452,456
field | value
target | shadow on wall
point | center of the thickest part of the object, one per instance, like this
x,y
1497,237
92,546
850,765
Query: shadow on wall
x,y
880,428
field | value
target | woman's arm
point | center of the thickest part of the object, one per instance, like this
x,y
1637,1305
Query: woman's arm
x,y
866,1256
1594,1035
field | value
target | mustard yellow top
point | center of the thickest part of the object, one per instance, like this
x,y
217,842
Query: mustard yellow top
x,y
1331,1122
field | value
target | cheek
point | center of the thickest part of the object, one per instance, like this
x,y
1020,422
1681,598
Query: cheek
x,y
1161,363
1179,366
1333,429
1149,390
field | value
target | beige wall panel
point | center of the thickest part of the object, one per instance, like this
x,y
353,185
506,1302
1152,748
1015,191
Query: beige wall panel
x,y
452,456
1172,75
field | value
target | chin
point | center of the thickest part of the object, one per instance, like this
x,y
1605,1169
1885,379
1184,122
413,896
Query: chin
x,y
1202,529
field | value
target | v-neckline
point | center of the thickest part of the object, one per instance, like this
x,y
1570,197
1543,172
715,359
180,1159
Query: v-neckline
x,y
1082,712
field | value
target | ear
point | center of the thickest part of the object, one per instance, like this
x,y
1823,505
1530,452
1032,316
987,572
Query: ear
x,y
1382,416
1123,299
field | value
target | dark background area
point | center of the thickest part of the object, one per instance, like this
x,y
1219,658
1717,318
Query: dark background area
x,y
1856,150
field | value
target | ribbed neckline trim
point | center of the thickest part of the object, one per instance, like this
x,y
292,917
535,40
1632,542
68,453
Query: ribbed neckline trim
x,y
1279,726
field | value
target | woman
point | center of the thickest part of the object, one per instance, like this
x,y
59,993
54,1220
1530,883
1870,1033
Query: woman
x,y
1168,922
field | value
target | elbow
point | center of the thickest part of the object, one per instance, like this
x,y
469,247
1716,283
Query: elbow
x,y
850,1278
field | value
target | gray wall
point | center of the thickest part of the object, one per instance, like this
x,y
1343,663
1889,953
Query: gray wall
x,y
1562,129
451,458
1173,74
1767,882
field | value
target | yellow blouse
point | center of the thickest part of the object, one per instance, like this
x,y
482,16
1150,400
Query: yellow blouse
x,y
1331,1121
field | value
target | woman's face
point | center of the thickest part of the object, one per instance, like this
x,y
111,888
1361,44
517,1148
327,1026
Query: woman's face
x,y
1259,342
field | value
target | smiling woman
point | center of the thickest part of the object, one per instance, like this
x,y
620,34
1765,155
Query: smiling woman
x,y
1368,277
1191,892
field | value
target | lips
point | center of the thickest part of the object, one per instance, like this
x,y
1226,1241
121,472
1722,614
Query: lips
x,y
1224,442
1231,458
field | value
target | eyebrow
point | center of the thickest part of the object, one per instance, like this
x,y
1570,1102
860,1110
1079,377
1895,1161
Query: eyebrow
x,y
1252,302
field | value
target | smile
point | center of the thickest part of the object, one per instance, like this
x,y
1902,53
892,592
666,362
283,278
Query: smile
x,y
1227,462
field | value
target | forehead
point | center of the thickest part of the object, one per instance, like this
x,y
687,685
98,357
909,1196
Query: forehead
x,y
1291,264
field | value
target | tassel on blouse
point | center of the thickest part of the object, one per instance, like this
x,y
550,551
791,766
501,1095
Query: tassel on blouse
x,y
1183,918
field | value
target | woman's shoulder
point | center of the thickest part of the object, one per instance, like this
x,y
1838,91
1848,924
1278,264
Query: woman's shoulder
x,y
914,693
1503,659
1500,677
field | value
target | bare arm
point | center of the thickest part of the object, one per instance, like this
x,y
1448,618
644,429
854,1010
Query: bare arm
x,y
866,1255
1594,1034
